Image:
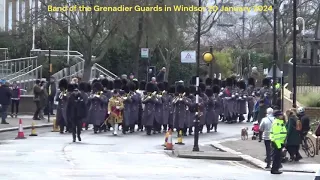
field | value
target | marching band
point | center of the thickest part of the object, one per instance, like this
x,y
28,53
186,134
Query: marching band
x,y
158,107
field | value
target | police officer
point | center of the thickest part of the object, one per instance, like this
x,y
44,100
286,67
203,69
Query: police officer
x,y
278,134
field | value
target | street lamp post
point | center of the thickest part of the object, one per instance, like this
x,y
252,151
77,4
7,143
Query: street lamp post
x,y
294,55
275,57
197,119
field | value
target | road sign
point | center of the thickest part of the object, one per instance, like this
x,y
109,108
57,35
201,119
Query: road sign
x,y
144,52
278,73
188,57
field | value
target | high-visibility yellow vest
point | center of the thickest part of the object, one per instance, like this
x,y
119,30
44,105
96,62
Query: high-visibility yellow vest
x,y
278,85
278,132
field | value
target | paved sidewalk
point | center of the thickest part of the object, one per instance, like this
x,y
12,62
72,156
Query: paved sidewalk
x,y
253,152
206,152
26,122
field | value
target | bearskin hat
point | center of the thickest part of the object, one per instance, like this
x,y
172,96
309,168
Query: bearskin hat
x,y
229,82
155,87
223,84
209,92
63,84
124,81
117,84
208,82
215,81
150,87
97,86
142,85
192,89
82,86
216,89
187,91
110,85
266,82
202,87
251,81
94,81
172,89
104,83
71,87
136,84
160,86
126,88
242,84
88,87
131,86
180,89
166,86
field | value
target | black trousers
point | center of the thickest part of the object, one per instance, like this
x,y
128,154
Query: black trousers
x,y
276,158
38,108
15,106
76,128
49,107
267,144
294,151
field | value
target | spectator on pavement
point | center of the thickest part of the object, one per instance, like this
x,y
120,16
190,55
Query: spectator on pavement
x,y
278,134
161,75
260,113
304,120
43,98
51,90
153,80
15,99
5,99
37,91
265,127
293,136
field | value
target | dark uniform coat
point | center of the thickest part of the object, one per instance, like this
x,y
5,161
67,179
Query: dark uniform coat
x,y
97,109
62,100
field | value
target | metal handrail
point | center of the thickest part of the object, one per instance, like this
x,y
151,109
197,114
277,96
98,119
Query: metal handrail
x,y
22,70
24,74
58,51
18,59
98,66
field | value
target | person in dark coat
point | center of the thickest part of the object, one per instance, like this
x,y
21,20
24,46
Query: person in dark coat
x,y
204,102
189,118
51,90
97,103
135,105
15,99
260,113
61,98
217,107
5,99
192,108
180,107
159,107
141,91
149,102
250,98
163,87
127,100
293,137
76,111
242,100
87,91
108,94
209,109
83,90
171,92
37,91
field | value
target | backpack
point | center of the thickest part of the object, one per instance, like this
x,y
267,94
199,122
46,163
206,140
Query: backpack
x,y
298,125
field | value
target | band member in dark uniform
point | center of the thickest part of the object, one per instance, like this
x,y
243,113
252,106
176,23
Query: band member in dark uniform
x,y
135,105
209,109
149,109
127,101
180,107
142,92
76,111
172,92
166,101
204,102
62,99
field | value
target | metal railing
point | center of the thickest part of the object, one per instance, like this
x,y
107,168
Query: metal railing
x,y
27,80
29,68
68,73
98,70
55,53
12,66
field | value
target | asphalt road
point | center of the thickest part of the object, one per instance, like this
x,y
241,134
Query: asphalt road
x,y
135,156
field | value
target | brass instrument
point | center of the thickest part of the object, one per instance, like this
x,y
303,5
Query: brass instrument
x,y
62,94
178,98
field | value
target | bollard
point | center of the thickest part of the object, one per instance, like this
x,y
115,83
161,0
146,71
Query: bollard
x,y
33,130
55,126
169,145
180,141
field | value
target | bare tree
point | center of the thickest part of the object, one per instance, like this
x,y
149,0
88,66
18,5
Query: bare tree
x,y
91,27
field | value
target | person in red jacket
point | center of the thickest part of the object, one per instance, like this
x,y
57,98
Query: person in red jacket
x,y
15,99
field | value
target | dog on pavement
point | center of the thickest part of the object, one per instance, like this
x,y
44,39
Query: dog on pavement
x,y
244,133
